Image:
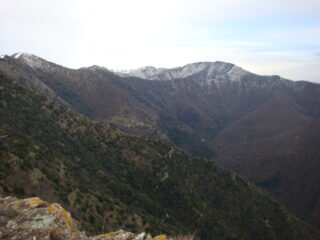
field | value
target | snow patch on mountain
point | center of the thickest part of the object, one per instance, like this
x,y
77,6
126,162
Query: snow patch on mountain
x,y
208,71
188,70
17,55
95,68
31,60
237,73
148,72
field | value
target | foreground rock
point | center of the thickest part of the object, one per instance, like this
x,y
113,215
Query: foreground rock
x,y
34,219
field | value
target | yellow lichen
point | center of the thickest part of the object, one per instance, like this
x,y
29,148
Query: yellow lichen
x,y
66,216
33,202
60,212
52,207
110,234
16,203
160,237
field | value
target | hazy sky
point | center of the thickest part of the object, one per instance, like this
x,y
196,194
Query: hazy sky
x,y
263,36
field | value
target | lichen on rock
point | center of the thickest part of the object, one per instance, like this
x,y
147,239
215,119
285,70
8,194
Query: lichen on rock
x,y
34,219
160,237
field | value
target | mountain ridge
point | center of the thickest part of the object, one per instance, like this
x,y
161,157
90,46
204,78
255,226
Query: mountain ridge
x,y
210,69
134,72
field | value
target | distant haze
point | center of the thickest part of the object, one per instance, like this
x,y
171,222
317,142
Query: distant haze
x,y
266,37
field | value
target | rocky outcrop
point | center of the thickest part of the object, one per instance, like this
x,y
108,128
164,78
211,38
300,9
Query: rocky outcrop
x,y
34,219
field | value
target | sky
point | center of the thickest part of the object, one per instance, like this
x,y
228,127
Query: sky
x,y
268,37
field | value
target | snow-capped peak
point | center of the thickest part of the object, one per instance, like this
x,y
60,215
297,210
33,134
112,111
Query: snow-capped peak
x,y
146,72
22,54
209,71
16,55
31,60
96,68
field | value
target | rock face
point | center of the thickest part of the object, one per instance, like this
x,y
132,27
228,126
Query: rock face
x,y
34,219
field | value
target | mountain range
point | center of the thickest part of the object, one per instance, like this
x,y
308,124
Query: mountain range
x,y
265,128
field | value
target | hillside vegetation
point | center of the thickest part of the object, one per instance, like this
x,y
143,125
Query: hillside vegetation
x,y
109,180
265,128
